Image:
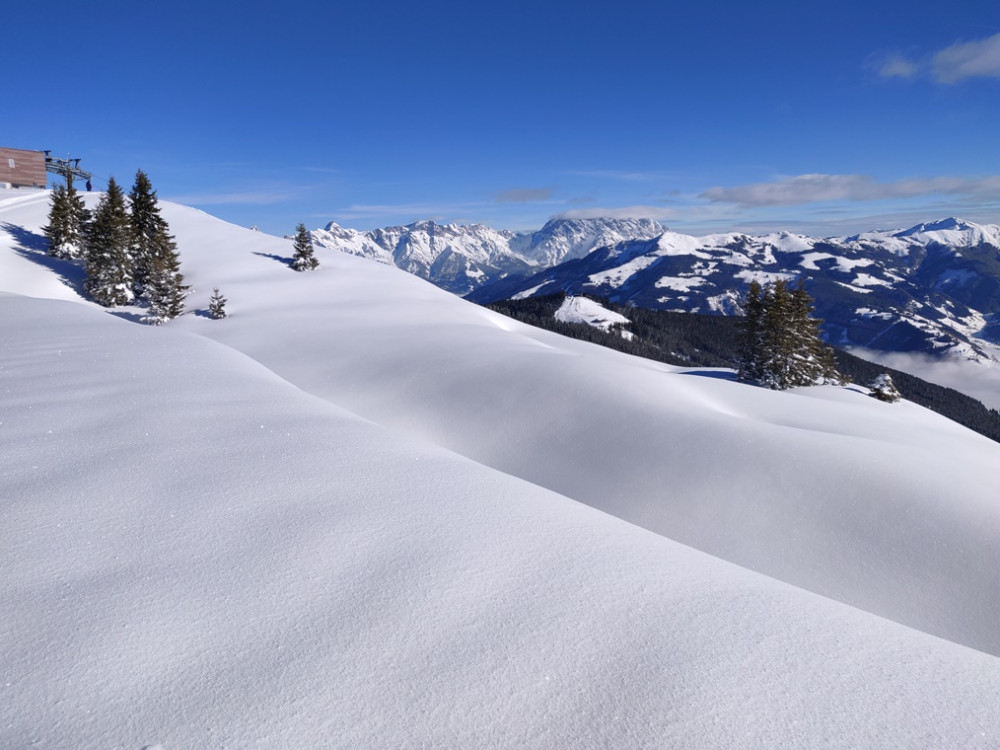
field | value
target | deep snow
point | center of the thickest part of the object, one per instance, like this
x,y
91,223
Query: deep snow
x,y
332,520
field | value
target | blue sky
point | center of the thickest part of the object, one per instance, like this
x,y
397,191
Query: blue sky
x,y
710,116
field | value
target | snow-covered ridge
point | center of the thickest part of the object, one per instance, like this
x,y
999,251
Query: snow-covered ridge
x,y
461,258
588,312
930,283
935,286
355,514
953,232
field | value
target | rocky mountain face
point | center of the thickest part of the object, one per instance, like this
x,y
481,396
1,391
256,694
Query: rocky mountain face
x,y
933,288
464,258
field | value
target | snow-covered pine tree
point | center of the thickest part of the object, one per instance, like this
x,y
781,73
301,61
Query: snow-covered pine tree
x,y
157,278
776,360
303,259
107,261
144,214
884,389
813,361
782,348
55,230
164,290
68,219
752,328
217,305
79,220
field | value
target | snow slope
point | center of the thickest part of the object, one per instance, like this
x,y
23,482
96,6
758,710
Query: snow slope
x,y
204,545
589,312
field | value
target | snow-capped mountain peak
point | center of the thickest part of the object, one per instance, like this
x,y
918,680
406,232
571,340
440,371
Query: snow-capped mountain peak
x,y
564,239
929,289
461,258
954,232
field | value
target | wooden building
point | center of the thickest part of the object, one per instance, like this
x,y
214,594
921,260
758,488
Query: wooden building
x,y
20,168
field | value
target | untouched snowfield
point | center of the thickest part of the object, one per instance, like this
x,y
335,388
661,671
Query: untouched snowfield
x,y
583,310
362,512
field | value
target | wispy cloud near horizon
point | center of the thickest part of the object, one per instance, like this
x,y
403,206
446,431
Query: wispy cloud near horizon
x,y
813,188
620,212
428,210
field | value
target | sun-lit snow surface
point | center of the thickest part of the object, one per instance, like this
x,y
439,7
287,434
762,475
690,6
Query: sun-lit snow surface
x,y
589,312
200,549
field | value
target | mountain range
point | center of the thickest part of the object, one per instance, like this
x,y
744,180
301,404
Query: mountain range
x,y
462,258
933,288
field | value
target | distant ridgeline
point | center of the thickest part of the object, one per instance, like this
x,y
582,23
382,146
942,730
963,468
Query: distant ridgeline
x,y
695,340
932,289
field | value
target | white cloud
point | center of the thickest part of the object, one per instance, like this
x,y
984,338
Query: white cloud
x,y
811,188
898,67
428,210
968,60
620,212
949,65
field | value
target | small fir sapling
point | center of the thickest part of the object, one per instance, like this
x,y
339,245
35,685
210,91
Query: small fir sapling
x,y
884,389
217,305
303,259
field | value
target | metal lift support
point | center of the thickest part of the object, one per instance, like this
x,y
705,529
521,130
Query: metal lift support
x,y
68,168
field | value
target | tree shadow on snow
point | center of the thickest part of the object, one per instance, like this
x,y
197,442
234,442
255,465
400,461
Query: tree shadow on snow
x,y
125,315
279,258
717,374
33,246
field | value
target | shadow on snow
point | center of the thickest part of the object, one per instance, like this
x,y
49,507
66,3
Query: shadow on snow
x,y
281,259
33,246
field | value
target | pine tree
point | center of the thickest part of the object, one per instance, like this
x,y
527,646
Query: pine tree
x,y
108,263
157,278
55,231
779,338
813,360
782,348
79,221
68,219
146,227
752,328
884,389
217,305
164,290
303,259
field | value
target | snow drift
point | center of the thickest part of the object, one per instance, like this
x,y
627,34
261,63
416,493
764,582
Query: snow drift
x,y
348,516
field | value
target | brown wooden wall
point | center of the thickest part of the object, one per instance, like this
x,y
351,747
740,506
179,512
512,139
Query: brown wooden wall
x,y
28,168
